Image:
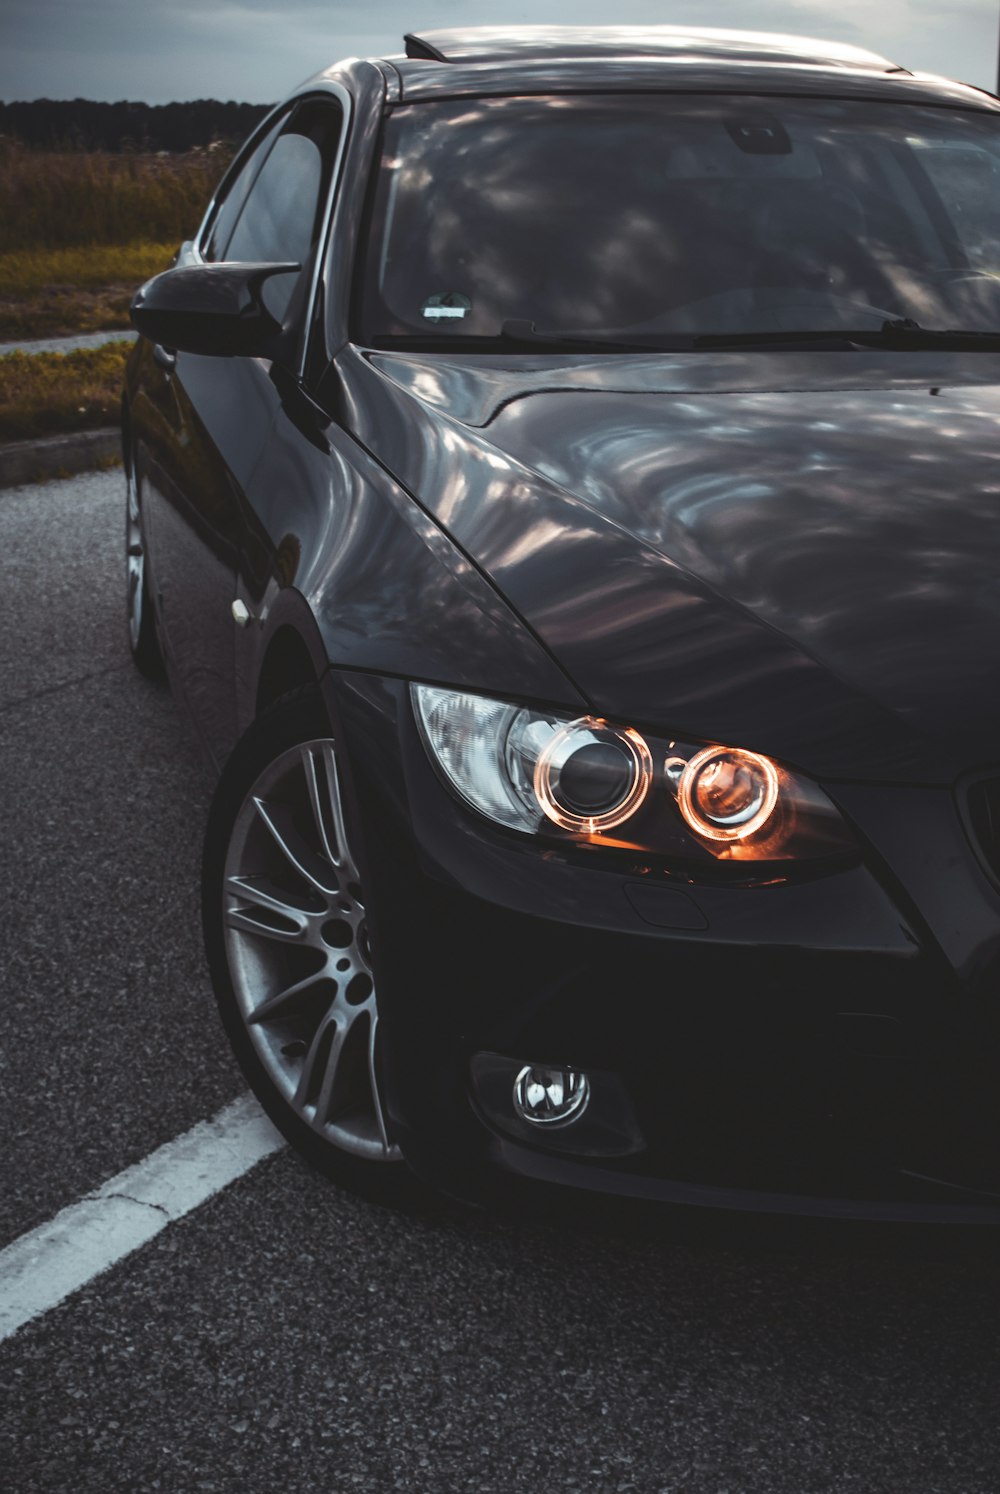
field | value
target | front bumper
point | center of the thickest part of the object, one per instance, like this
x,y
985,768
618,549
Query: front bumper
x,y
823,1046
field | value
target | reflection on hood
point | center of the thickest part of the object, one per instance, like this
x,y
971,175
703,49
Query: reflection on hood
x,y
813,571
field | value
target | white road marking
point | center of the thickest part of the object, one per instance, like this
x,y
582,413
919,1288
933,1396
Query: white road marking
x,y
45,1266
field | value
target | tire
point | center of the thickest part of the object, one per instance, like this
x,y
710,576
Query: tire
x,y
286,935
140,623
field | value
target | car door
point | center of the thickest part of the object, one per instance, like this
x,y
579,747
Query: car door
x,y
218,412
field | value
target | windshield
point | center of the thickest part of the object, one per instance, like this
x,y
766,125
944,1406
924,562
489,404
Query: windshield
x,y
658,218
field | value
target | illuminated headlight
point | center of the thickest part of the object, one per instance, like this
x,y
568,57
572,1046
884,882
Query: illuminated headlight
x,y
727,794
591,776
592,780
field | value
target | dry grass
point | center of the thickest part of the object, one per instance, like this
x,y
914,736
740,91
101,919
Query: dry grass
x,y
54,200
63,313
45,394
26,271
79,232
56,292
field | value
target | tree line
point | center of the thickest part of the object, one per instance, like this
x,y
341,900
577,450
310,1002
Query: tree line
x,y
83,124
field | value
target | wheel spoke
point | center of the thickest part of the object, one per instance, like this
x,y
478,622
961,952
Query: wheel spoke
x,y
266,895
324,797
246,921
286,1002
300,858
322,1064
373,1080
332,1074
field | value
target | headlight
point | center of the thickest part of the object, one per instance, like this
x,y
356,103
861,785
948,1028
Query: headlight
x,y
592,781
591,776
727,794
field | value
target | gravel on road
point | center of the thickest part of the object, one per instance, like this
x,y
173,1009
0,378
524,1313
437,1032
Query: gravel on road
x,y
67,344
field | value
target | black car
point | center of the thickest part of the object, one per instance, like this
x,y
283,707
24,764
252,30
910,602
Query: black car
x,y
564,487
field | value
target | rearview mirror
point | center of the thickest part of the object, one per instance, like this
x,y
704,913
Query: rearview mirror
x,y
216,309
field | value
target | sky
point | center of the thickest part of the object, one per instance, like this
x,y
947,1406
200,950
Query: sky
x,y
158,51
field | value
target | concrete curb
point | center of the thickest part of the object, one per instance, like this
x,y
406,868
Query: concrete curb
x,y
57,456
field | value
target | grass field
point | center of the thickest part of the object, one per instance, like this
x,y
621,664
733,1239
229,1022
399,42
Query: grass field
x,y
27,271
56,200
55,292
80,232
47,393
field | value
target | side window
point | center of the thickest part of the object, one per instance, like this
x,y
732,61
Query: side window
x,y
283,212
229,208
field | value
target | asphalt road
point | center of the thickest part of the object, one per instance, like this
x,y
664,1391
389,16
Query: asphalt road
x,y
287,1336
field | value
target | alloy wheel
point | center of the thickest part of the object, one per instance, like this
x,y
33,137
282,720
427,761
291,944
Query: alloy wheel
x,y
142,640
135,565
297,947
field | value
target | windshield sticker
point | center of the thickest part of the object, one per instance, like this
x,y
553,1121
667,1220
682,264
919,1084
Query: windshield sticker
x,y
449,306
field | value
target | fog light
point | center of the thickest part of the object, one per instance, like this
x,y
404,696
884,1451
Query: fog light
x,y
562,1109
550,1097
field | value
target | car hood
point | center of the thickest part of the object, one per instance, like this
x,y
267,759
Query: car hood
x,y
811,570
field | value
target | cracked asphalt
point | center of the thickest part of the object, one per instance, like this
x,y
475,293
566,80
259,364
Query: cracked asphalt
x,y
288,1335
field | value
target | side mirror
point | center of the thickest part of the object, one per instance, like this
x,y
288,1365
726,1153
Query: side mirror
x,y
216,309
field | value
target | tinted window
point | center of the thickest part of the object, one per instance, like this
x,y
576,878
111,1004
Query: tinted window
x,y
660,215
229,207
282,215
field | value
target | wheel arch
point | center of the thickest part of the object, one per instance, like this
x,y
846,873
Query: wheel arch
x,y
286,665
292,651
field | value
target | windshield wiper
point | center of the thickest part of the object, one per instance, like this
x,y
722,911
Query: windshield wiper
x,y
523,337
910,331
902,333
523,332
899,333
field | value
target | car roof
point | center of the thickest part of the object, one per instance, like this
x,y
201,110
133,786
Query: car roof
x,y
503,60
519,43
